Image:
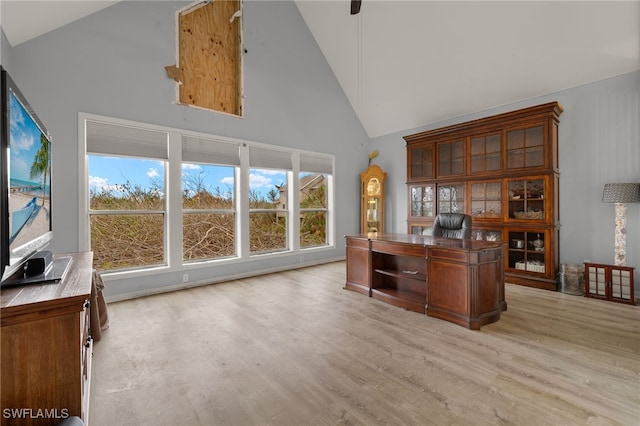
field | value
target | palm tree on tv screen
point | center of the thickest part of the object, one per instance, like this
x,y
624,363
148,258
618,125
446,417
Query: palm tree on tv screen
x,y
40,165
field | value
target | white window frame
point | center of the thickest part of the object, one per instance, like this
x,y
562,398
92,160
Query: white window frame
x,y
313,164
173,222
220,152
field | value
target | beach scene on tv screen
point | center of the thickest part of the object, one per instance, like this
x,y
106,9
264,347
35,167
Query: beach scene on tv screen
x,y
29,177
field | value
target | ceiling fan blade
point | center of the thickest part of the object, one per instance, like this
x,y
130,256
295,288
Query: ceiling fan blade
x,y
355,6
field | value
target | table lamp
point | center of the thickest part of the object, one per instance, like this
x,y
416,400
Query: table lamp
x,y
621,194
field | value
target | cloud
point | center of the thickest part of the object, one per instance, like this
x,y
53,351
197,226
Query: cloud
x,y
100,184
21,138
259,181
17,114
21,141
188,166
267,171
153,173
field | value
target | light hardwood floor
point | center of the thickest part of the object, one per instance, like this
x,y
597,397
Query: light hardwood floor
x,y
295,348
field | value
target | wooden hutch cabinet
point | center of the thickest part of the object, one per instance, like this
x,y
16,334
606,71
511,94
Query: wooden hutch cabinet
x,y
503,171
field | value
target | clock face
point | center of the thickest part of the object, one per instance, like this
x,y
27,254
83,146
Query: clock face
x,y
373,187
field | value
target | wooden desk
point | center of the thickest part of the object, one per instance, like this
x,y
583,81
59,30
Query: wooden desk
x,y
461,281
46,348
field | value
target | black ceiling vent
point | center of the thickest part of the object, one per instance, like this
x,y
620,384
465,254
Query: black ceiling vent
x,y
355,6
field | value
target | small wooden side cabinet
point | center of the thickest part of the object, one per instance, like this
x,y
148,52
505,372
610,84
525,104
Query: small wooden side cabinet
x,y
609,282
46,348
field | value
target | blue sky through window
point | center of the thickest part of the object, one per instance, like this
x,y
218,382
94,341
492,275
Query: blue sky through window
x,y
105,173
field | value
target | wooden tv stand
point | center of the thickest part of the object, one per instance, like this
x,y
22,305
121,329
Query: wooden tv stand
x,y
461,281
46,348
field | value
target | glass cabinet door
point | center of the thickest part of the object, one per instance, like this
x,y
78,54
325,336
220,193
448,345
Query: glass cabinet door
x,y
373,215
451,158
421,162
485,153
373,205
527,251
423,201
372,199
526,199
525,147
486,199
486,235
451,198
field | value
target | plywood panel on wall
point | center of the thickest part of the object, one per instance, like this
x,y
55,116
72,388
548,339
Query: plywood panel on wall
x,y
210,57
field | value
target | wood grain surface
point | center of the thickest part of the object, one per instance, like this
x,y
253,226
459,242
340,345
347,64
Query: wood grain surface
x,y
295,348
210,59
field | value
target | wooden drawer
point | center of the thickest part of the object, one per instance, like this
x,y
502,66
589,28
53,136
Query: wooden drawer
x,y
448,254
358,243
398,249
485,256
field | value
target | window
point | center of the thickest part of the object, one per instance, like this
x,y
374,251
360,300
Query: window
x,y
313,183
208,198
127,210
268,200
159,197
313,207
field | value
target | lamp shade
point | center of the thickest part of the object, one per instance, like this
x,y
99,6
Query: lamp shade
x,y
621,193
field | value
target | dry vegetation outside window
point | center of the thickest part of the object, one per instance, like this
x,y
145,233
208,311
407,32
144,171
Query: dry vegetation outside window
x,y
128,182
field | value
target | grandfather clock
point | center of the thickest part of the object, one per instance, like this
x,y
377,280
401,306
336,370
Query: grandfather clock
x,y
372,200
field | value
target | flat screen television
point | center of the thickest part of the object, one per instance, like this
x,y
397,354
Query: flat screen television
x,y
25,183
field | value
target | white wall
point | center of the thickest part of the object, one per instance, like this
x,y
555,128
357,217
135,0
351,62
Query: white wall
x,y
5,49
112,63
599,143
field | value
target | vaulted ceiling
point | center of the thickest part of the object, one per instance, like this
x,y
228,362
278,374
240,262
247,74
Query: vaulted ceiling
x,y
23,20
405,64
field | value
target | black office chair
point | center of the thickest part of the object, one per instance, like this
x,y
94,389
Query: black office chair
x,y
452,225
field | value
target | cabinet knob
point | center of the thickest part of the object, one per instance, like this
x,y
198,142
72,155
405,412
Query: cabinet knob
x,y
86,304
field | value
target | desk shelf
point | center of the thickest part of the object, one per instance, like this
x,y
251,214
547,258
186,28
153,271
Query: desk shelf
x,y
408,300
409,275
399,277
